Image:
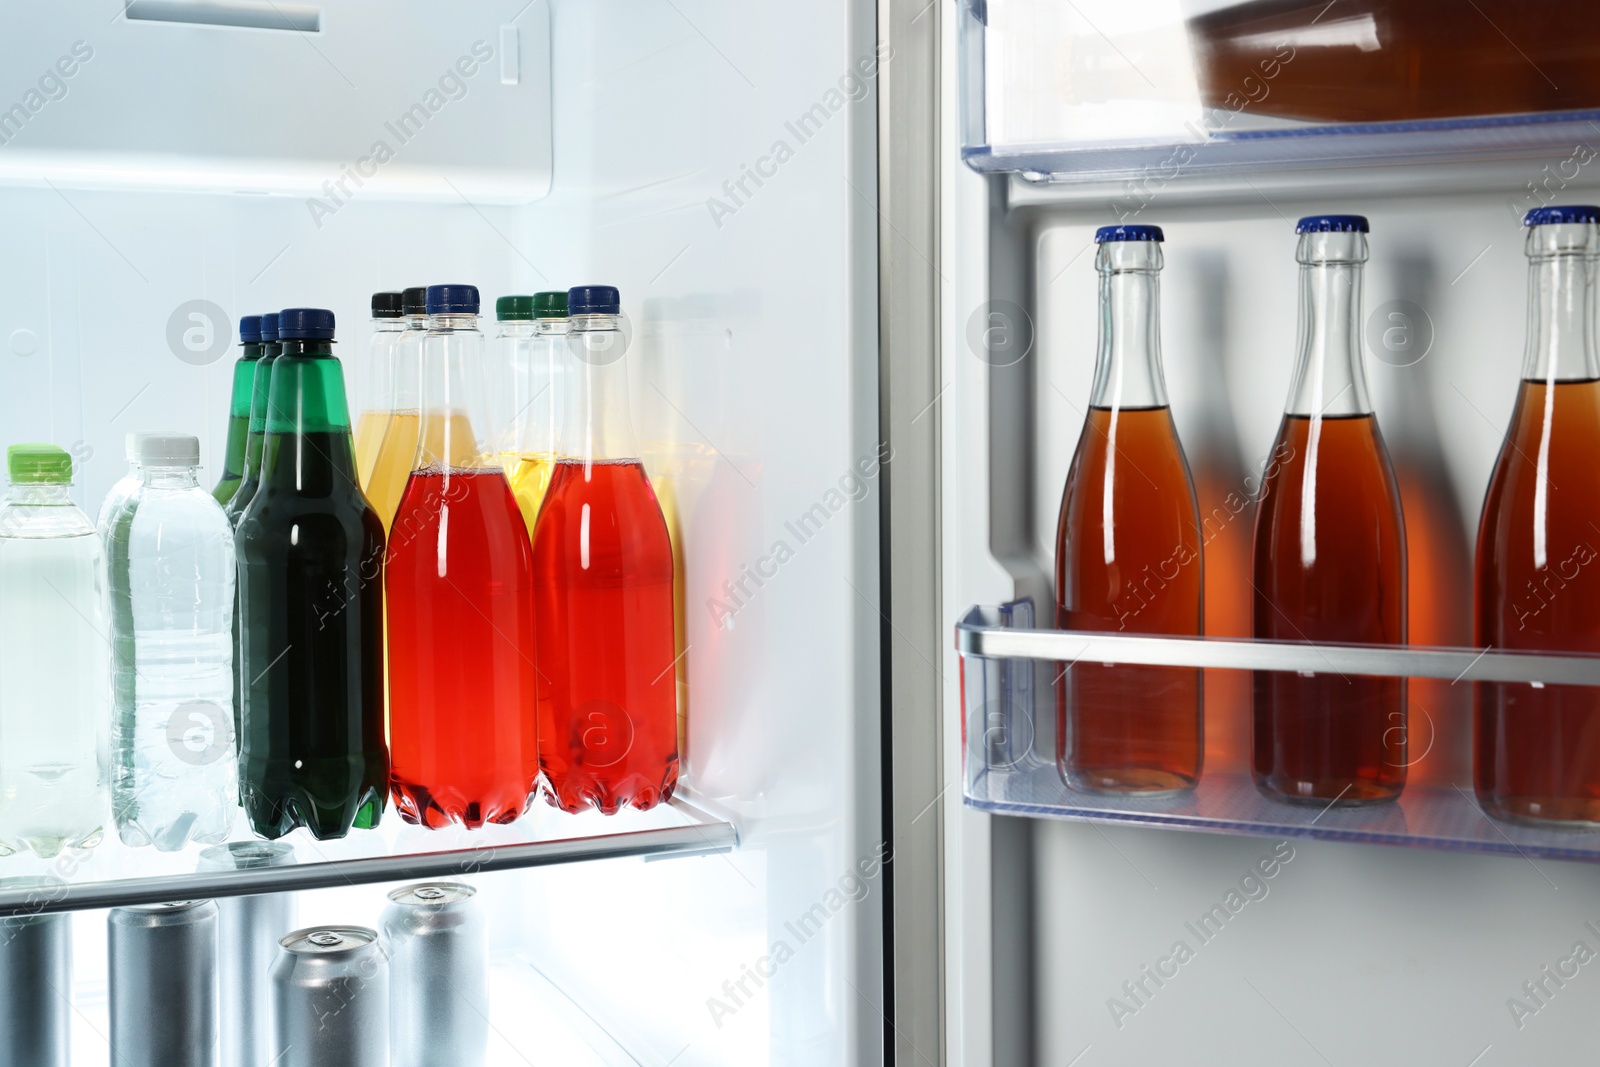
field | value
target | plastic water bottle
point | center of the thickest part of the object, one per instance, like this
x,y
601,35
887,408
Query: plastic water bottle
x,y
55,663
122,490
175,776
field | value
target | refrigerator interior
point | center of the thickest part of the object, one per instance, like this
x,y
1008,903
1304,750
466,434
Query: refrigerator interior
x,y
1350,951
189,169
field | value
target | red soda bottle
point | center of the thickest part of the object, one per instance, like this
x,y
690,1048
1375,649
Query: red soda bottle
x,y
459,575
1537,750
603,579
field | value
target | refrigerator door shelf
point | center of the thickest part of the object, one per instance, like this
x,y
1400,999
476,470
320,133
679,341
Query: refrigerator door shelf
x,y
1011,726
1173,88
113,875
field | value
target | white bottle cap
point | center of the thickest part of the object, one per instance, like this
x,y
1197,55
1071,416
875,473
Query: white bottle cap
x,y
169,450
130,445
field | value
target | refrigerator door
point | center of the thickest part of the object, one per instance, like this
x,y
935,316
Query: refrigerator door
x,y
1081,939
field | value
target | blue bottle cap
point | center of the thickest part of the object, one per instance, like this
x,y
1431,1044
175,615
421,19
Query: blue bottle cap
x,y
452,300
250,329
1546,216
594,300
1128,233
1332,224
305,324
269,327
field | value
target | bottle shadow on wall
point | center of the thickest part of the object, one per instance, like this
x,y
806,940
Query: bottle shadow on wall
x,y
1226,498
1402,345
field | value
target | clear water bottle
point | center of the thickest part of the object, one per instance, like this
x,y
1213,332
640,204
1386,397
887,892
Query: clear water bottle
x,y
55,666
122,490
175,776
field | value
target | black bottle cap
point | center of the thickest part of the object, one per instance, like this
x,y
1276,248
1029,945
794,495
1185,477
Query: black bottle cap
x,y
387,305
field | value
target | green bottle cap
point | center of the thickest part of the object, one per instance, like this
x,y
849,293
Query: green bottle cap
x,y
39,464
550,305
514,308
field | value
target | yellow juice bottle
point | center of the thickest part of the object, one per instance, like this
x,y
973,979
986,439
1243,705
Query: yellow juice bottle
x,y
396,447
528,369
377,381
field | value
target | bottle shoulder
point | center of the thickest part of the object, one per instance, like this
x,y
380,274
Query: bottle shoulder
x,y
172,512
283,516
42,522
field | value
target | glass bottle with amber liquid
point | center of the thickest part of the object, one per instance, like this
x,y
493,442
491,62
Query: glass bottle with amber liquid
x,y
1128,556
1330,553
1537,748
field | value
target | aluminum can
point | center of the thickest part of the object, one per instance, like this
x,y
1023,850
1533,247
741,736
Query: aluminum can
x,y
163,978
434,937
331,990
35,983
247,947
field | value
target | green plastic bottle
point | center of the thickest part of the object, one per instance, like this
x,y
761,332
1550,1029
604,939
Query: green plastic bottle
x,y
260,388
244,376
310,551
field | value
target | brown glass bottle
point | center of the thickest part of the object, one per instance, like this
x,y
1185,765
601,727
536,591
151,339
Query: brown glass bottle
x,y
1128,549
1390,60
1329,561
1537,751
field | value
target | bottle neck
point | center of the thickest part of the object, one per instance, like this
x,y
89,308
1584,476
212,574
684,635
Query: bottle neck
x,y
388,325
1330,377
244,377
598,424
307,391
458,430
1561,342
170,477
405,387
260,391
1128,361
532,354
307,448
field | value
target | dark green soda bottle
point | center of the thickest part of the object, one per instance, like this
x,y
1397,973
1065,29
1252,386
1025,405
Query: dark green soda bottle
x,y
249,478
244,376
310,553
260,386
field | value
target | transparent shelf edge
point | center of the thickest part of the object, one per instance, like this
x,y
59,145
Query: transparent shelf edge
x,y
702,834
1429,817
1165,160
1008,754
974,637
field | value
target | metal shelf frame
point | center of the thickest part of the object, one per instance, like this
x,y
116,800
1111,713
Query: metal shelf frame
x,y
700,834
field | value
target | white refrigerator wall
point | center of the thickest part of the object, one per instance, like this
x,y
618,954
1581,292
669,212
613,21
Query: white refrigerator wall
x,y
1352,948
716,161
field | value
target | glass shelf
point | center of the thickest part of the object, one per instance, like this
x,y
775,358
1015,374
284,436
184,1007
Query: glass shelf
x,y
113,875
1009,764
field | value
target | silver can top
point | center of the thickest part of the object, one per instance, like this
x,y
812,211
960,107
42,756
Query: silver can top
x,y
246,855
166,913
432,894
328,940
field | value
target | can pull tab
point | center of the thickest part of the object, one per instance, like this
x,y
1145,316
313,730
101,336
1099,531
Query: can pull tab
x,y
430,892
325,939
